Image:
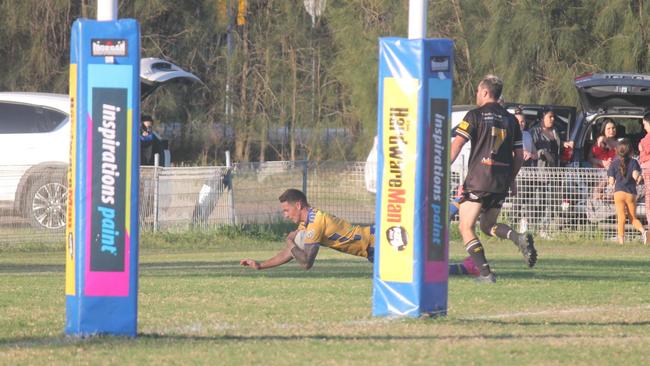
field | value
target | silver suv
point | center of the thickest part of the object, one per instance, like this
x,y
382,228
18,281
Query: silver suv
x,y
35,147
623,97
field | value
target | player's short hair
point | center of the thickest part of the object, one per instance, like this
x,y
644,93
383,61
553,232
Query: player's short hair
x,y
146,117
493,84
292,196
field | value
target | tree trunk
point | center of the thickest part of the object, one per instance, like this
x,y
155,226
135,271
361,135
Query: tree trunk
x,y
241,140
294,97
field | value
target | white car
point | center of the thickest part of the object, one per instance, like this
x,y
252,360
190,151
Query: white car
x,y
458,168
35,146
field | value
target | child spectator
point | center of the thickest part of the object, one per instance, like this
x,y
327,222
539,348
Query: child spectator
x,y
624,173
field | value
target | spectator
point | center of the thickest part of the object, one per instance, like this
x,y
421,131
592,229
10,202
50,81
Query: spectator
x,y
547,141
644,159
524,197
530,152
549,144
604,151
624,174
149,143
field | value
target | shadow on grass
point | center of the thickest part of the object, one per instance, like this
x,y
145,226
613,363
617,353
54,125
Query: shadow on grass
x,y
31,268
63,340
555,269
325,268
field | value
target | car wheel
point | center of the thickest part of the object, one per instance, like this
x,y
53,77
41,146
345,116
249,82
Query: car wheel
x,y
47,203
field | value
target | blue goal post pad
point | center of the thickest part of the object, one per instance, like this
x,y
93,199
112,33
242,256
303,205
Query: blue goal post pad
x,y
412,208
102,224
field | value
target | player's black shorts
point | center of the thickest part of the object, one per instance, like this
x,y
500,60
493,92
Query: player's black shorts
x,y
488,200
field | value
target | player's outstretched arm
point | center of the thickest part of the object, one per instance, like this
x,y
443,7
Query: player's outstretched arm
x,y
304,254
279,259
305,257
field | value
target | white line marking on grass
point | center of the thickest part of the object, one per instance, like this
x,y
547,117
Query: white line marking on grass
x,y
560,311
375,321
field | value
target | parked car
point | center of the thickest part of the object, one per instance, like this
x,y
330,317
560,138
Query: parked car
x,y
622,97
35,146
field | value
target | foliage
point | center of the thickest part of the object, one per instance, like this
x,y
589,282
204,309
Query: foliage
x,y
281,87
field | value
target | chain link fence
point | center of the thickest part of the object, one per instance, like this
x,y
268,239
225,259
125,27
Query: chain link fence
x,y
557,202
551,202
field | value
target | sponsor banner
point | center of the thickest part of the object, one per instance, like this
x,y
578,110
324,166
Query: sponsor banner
x,y
438,185
70,262
396,239
438,188
108,195
108,170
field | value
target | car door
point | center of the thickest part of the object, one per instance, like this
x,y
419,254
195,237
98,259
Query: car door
x,y
620,93
620,96
155,72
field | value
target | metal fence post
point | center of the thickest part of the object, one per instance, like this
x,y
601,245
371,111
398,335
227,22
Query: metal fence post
x,y
156,179
230,185
304,176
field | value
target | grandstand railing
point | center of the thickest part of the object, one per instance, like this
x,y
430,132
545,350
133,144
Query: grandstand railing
x,y
551,202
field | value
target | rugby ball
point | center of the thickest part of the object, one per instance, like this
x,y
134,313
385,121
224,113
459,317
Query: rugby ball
x,y
299,240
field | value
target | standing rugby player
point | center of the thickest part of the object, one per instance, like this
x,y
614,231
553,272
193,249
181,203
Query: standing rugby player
x,y
495,159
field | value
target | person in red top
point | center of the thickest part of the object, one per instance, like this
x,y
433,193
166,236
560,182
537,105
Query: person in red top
x,y
644,159
604,151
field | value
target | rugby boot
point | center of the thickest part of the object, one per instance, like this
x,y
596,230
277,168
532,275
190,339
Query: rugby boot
x,y
488,278
526,246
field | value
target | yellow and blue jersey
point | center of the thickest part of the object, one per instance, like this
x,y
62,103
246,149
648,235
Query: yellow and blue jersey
x,y
336,233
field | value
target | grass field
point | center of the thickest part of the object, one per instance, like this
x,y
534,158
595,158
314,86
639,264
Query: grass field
x,y
584,304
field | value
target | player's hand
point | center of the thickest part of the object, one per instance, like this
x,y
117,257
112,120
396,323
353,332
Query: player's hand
x,y
249,263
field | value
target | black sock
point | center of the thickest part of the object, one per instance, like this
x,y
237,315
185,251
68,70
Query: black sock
x,y
504,231
475,250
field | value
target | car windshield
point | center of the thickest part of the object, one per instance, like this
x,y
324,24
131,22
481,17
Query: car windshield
x,y
626,127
